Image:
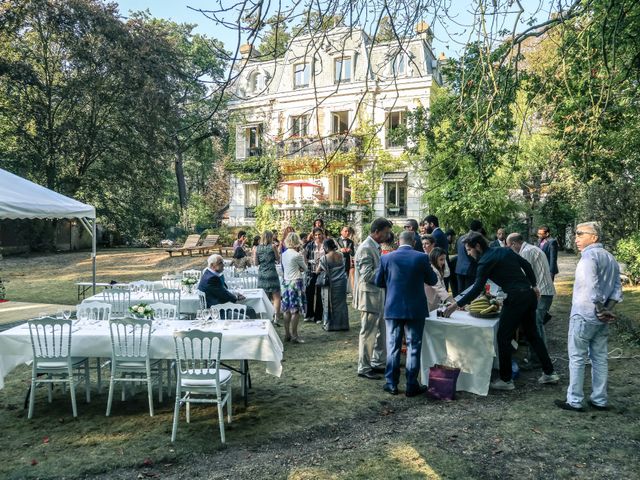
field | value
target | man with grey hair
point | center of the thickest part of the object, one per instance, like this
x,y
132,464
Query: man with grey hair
x,y
538,260
212,283
596,291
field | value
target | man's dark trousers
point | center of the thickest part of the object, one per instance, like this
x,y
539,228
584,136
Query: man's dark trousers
x,y
520,309
413,330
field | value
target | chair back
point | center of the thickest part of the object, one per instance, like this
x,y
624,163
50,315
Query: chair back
x,y
167,295
171,281
210,241
198,355
192,273
231,311
202,297
50,339
164,311
93,311
119,299
141,286
130,339
191,241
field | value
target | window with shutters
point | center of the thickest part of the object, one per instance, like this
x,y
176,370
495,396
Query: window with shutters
x,y
250,199
396,129
249,141
300,126
395,194
340,122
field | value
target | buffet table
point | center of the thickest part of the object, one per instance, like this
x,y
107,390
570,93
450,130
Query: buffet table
x,y
464,342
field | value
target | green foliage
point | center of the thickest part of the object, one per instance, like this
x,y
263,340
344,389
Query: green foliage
x,y
266,217
263,169
628,252
97,108
275,41
199,213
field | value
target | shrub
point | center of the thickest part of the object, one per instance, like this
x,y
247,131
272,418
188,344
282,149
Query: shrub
x,y
628,252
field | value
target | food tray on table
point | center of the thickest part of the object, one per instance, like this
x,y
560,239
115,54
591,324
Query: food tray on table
x,y
490,315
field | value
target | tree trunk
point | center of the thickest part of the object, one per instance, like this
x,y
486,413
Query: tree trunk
x,y
182,186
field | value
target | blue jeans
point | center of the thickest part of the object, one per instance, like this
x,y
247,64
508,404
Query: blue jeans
x,y
413,330
587,338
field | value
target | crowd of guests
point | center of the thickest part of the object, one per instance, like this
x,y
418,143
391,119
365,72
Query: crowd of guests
x,y
397,281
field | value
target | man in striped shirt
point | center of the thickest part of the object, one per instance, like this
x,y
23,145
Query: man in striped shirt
x,y
538,260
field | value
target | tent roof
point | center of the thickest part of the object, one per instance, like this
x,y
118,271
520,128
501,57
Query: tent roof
x,y
20,198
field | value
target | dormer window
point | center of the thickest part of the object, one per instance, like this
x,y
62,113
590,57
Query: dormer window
x,y
256,82
301,74
342,70
400,64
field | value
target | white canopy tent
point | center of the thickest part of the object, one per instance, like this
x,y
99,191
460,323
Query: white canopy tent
x,y
20,198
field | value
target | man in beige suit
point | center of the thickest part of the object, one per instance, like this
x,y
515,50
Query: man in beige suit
x,y
369,300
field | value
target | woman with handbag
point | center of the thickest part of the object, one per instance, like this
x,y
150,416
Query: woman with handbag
x,y
332,280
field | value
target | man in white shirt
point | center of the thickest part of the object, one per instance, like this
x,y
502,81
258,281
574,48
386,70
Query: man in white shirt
x,y
538,260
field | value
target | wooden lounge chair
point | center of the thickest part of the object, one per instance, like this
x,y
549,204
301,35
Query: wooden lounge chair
x,y
209,244
190,244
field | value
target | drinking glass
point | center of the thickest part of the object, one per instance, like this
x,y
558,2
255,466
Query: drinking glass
x,y
66,314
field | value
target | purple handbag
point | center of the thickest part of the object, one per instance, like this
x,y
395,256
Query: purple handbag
x,y
442,382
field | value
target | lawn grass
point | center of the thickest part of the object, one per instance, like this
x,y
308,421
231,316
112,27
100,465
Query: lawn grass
x,y
318,420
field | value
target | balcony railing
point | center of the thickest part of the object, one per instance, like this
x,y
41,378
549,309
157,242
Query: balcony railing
x,y
289,214
315,146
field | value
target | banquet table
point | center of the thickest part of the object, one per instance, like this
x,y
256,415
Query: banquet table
x,y
256,298
461,341
242,340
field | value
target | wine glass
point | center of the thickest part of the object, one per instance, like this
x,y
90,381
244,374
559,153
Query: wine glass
x,y
66,314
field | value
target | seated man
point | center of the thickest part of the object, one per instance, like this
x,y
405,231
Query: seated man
x,y
215,288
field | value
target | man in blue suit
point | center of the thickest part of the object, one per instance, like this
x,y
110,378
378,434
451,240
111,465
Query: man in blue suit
x,y
403,274
215,288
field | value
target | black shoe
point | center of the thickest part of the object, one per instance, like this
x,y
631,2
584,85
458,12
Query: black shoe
x,y
421,390
390,389
565,406
370,376
602,408
378,369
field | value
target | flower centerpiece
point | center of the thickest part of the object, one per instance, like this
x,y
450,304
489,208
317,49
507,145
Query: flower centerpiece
x,y
189,282
141,310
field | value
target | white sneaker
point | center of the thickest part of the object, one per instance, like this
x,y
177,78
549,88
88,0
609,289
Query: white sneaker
x,y
502,385
552,379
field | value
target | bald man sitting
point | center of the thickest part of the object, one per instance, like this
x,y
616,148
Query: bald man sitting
x,y
215,288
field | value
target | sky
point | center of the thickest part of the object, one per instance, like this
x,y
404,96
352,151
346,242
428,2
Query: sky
x,y
446,40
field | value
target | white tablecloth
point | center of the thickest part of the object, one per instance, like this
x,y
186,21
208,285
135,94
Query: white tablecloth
x,y
190,303
242,340
464,342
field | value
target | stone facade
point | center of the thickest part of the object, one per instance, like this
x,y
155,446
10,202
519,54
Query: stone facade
x,y
308,103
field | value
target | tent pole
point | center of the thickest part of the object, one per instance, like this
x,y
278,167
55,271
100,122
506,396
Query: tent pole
x,y
93,253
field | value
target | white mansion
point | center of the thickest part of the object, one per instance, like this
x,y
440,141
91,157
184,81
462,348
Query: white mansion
x,y
307,104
